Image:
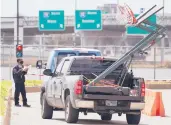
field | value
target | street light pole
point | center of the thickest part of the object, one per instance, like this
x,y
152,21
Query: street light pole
x,y
17,21
75,4
117,2
163,9
75,27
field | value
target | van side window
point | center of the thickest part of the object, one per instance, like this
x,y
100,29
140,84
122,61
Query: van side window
x,y
59,67
65,67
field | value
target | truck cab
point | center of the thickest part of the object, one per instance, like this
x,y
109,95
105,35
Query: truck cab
x,y
58,54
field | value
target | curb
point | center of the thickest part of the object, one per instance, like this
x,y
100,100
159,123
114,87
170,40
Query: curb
x,y
33,89
29,89
7,116
158,84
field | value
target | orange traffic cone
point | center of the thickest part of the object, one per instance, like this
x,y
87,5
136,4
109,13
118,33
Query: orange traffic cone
x,y
160,110
153,104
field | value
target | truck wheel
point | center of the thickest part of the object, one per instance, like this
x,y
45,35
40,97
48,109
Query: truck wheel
x,y
41,97
46,109
133,119
71,114
106,117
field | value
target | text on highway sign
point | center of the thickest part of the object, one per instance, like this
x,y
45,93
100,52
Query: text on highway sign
x,y
51,20
88,20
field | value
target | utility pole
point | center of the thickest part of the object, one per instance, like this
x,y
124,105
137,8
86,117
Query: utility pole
x,y
163,8
75,28
17,21
162,42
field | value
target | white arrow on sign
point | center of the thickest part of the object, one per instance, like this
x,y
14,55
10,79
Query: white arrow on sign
x,y
61,25
42,25
78,25
98,25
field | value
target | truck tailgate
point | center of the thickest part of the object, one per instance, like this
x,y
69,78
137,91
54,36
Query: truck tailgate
x,y
107,90
109,93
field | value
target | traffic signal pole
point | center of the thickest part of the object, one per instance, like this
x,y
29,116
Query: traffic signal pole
x,y
19,50
17,22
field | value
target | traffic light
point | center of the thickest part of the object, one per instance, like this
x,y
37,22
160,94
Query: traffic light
x,y
19,50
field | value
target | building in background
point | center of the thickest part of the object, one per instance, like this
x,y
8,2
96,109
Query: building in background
x,y
108,8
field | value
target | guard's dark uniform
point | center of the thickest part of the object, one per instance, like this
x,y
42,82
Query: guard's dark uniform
x,y
19,79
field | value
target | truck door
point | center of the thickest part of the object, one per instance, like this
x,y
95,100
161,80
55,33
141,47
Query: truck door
x,y
59,84
50,90
56,84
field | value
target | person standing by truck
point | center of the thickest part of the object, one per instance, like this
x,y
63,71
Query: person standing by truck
x,y
19,73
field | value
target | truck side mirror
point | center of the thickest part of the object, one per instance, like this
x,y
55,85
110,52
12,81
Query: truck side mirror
x,y
39,64
44,66
47,72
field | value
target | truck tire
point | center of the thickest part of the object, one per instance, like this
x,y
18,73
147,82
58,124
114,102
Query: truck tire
x,y
41,98
71,114
107,117
133,118
46,109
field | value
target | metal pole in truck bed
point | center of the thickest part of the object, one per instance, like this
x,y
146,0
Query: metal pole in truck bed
x,y
157,32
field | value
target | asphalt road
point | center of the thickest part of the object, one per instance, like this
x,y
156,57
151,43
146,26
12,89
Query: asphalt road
x,y
32,116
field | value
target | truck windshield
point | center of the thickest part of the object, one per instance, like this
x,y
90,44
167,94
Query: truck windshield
x,y
91,65
61,55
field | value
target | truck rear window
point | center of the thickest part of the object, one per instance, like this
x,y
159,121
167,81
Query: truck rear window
x,y
91,65
87,54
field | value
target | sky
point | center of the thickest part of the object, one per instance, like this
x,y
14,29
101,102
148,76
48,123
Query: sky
x,y
32,7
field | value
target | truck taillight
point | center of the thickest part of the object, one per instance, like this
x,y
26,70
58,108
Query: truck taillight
x,y
78,87
143,89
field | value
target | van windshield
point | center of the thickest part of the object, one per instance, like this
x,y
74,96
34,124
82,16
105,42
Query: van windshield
x,y
61,55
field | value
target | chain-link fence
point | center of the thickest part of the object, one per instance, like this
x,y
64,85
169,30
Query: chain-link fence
x,y
39,48
93,39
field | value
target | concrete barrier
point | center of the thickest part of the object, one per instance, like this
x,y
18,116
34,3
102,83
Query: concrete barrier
x,y
158,84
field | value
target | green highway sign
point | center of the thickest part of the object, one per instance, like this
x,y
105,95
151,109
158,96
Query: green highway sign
x,y
131,30
51,20
88,20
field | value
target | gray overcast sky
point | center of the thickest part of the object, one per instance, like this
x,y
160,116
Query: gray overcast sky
x,y
31,7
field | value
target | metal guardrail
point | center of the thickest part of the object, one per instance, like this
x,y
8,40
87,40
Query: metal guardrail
x,y
107,19
69,20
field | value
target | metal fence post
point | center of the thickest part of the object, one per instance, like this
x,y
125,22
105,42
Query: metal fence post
x,y
162,51
154,62
40,45
3,54
10,65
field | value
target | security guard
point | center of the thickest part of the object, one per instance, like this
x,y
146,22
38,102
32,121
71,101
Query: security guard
x,y
19,79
